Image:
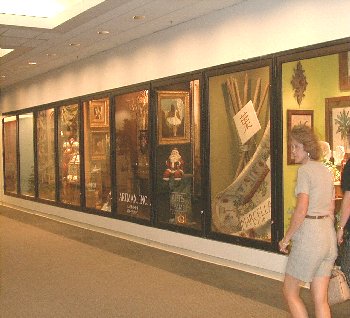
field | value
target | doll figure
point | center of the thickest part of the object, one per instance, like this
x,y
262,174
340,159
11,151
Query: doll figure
x,y
174,166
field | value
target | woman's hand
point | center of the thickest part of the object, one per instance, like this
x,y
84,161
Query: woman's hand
x,y
283,245
340,234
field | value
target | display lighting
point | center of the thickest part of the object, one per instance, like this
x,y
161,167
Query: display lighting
x,y
34,8
45,14
3,52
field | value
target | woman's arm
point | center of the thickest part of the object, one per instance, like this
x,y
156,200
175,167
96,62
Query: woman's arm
x,y
297,219
345,213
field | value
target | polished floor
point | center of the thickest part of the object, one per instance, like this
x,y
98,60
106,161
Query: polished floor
x,y
52,269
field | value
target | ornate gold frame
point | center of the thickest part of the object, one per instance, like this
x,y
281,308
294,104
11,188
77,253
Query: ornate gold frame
x,y
99,113
173,128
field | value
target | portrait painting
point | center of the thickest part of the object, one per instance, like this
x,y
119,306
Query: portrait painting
x,y
173,117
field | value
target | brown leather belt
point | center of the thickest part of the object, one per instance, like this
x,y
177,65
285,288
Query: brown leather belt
x,y
316,217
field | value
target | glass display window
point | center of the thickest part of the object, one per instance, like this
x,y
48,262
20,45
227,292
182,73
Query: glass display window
x,y
69,154
97,155
240,164
132,149
316,92
26,154
178,160
10,154
46,154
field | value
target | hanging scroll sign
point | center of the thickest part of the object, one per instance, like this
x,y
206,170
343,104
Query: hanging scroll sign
x,y
247,122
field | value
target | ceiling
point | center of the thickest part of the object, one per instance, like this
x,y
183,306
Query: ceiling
x,y
54,48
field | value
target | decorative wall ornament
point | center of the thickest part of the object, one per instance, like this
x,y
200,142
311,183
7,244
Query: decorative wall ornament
x,y
299,83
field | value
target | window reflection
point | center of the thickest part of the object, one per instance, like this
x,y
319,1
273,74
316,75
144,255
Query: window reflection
x,y
10,158
132,155
97,154
26,154
46,154
69,154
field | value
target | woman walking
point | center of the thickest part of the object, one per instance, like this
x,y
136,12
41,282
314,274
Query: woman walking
x,y
311,230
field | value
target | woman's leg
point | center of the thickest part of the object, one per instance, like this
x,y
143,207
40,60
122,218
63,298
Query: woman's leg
x,y
291,289
319,290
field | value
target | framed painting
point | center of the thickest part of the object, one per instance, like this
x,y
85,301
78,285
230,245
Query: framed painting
x,y
98,145
337,115
99,113
297,117
344,71
173,117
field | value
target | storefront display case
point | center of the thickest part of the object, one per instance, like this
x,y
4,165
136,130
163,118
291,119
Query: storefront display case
x,y
69,154
204,154
45,150
97,154
132,151
10,154
178,165
26,154
240,156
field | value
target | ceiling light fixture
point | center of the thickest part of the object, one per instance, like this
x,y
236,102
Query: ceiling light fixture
x,y
45,14
3,52
33,8
32,63
103,32
138,17
74,44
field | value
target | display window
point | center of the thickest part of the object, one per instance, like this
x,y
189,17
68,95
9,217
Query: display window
x,y
97,155
178,159
316,93
132,149
169,158
69,154
45,134
10,153
26,154
240,159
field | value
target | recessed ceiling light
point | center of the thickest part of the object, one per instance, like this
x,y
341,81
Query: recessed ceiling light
x,y
32,63
2,76
3,52
138,17
74,44
103,32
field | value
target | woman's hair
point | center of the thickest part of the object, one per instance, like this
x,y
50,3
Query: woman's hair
x,y
305,135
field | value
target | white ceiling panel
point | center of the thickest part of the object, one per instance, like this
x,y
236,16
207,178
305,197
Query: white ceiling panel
x,y
35,44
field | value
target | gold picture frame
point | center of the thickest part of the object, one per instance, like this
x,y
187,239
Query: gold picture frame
x,y
297,117
98,145
99,113
344,71
173,117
